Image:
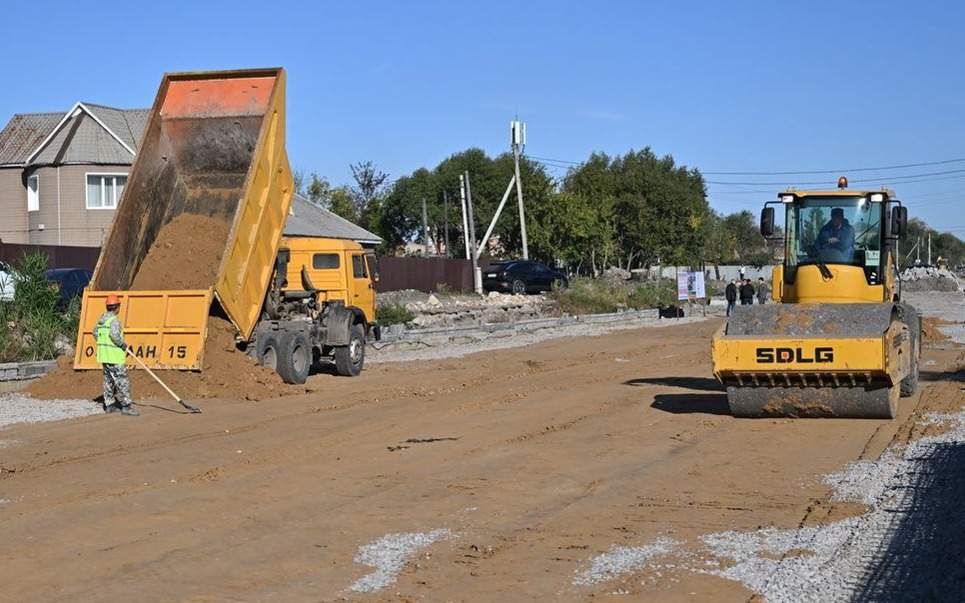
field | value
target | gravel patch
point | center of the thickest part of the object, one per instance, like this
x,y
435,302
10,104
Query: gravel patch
x,y
620,560
896,550
15,408
388,556
943,305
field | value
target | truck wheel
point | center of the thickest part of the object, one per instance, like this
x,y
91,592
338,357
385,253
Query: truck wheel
x,y
294,358
266,351
350,358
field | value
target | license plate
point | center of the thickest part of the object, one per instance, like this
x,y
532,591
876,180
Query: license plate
x,y
492,274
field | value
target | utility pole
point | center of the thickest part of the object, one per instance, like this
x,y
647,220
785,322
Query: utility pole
x,y
518,132
445,218
425,227
465,219
476,273
929,249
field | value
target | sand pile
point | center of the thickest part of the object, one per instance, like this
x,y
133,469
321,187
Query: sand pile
x,y
922,278
227,373
185,255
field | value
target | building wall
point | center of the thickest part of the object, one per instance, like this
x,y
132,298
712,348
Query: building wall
x,y
13,206
69,222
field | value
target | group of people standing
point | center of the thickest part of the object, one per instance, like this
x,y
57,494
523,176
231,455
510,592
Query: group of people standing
x,y
745,292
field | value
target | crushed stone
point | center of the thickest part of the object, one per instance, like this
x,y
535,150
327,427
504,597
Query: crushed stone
x,y
388,555
17,408
831,562
620,560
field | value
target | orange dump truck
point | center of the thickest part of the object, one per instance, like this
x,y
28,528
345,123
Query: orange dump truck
x,y
199,232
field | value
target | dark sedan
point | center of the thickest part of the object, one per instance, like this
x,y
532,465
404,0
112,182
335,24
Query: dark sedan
x,y
522,276
68,282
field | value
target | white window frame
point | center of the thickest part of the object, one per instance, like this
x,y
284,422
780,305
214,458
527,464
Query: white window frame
x,y
102,175
35,206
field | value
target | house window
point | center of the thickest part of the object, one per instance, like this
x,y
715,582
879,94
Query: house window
x,y
104,190
33,193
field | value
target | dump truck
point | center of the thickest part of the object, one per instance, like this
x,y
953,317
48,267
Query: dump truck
x,y
198,232
840,341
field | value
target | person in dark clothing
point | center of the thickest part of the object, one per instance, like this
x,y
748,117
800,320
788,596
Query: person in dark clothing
x,y
747,293
835,241
762,291
730,294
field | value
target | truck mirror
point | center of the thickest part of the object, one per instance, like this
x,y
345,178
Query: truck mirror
x,y
767,221
899,221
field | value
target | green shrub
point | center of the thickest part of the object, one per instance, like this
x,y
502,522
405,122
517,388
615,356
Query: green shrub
x,y
393,314
597,296
31,326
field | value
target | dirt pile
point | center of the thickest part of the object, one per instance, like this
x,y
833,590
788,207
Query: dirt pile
x,y
185,255
226,373
931,329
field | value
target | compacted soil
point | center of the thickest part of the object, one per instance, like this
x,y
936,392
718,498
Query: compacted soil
x,y
497,476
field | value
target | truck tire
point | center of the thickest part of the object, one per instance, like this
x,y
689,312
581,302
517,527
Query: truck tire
x,y
294,358
266,350
350,358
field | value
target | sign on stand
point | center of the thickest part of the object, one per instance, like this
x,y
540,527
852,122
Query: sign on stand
x,y
690,287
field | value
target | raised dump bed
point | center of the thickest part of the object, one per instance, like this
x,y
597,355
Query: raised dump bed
x,y
201,217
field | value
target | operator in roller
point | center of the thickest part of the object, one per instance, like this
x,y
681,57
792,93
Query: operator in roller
x,y
836,239
111,354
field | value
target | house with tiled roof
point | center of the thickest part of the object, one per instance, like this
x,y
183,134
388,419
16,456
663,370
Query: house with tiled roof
x,y
62,174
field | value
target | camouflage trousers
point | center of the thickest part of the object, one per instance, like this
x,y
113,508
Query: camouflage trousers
x,y
117,385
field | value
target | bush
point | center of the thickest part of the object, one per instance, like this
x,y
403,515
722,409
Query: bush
x,y
31,326
393,314
597,296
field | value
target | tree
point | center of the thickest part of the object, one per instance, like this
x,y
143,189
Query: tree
x,y
369,183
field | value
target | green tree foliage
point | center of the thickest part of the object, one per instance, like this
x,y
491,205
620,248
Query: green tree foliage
x,y
657,211
944,244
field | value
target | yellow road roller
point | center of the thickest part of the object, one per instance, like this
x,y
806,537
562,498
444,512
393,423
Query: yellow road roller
x,y
839,341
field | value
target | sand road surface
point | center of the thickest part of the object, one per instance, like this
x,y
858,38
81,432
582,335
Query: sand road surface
x,y
576,469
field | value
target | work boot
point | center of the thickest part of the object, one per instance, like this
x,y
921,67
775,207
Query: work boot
x,y
109,408
130,411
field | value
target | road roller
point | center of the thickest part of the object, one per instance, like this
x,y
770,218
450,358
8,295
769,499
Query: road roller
x,y
838,341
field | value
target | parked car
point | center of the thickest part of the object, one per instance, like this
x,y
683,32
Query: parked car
x,y
7,286
69,282
522,276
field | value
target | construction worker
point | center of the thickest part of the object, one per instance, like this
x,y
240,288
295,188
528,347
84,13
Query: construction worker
x,y
762,291
111,354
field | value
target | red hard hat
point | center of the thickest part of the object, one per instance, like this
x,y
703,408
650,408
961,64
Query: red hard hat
x,y
112,300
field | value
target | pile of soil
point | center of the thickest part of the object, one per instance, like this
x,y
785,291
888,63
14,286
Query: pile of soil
x,y
930,330
185,255
226,373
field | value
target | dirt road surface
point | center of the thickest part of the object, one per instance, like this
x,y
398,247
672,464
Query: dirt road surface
x,y
501,476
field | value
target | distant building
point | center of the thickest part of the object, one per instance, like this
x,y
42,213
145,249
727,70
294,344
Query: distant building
x,y
61,174
309,220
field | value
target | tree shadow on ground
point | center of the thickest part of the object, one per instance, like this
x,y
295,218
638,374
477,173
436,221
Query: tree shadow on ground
x,y
703,384
709,404
921,557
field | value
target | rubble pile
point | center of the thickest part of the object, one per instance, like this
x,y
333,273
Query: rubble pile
x,y
434,311
929,278
616,276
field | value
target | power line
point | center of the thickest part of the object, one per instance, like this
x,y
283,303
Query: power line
x,y
839,171
819,182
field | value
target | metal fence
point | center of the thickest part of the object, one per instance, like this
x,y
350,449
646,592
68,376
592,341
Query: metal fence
x,y
58,256
424,274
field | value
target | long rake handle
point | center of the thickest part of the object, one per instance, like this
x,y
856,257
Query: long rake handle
x,y
164,385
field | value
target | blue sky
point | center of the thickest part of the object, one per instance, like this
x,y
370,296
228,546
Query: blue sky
x,y
722,86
